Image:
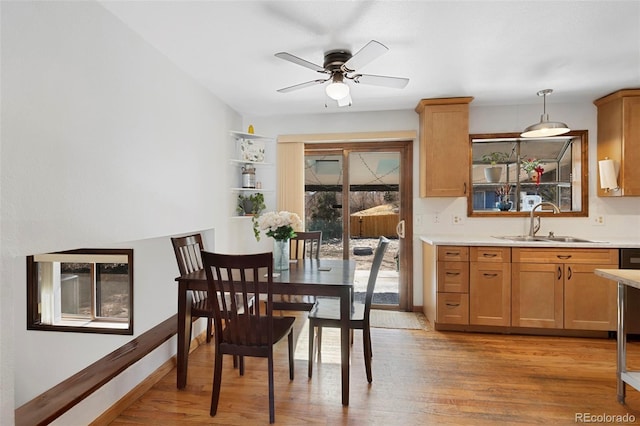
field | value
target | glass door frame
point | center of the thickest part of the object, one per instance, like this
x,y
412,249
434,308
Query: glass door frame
x,y
405,150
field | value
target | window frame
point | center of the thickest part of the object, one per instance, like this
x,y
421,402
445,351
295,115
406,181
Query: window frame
x,y
93,324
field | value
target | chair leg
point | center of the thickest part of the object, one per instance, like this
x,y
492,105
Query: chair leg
x,y
291,355
271,391
312,335
209,329
241,365
366,335
319,342
217,377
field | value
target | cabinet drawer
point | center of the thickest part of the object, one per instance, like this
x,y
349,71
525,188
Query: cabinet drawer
x,y
569,255
453,277
490,254
453,253
453,308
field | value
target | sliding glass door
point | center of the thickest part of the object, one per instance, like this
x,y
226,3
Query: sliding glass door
x,y
354,194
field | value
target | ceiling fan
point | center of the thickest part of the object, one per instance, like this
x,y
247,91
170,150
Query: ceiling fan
x,y
341,65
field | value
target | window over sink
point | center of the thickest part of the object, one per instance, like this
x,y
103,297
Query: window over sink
x,y
510,174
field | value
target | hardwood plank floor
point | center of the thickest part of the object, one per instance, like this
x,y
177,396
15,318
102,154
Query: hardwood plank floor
x,y
419,378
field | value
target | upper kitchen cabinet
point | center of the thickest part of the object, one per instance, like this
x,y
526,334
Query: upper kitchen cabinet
x,y
619,141
444,147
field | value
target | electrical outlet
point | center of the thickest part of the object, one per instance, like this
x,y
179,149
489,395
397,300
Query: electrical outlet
x,y
436,217
456,220
598,220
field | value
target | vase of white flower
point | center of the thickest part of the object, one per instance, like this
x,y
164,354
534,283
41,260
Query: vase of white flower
x,y
280,226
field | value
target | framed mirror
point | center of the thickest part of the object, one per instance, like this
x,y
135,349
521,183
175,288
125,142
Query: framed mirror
x,y
510,174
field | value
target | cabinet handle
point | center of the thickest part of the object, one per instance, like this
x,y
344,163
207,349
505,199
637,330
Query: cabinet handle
x,y
452,305
452,273
490,275
489,255
464,188
570,273
559,272
452,253
564,257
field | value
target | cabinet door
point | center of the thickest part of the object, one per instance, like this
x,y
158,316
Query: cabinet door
x,y
490,293
537,295
589,300
444,140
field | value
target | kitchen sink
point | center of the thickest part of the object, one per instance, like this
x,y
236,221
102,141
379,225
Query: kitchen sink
x,y
554,239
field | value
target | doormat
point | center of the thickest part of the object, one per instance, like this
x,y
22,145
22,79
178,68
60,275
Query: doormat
x,y
395,319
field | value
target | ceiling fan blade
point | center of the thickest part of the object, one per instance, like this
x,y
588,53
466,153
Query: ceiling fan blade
x,y
368,53
381,80
291,58
302,85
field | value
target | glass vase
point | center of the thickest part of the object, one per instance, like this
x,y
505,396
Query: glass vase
x,y
280,255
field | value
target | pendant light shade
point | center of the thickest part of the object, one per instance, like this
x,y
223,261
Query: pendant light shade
x,y
338,89
545,127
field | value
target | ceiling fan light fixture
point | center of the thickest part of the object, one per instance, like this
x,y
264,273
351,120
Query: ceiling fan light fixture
x,y
337,89
545,128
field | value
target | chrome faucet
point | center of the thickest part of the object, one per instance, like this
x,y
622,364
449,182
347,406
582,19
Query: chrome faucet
x,y
534,228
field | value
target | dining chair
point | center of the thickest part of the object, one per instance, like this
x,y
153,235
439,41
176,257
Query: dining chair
x,y
187,250
305,245
244,332
326,313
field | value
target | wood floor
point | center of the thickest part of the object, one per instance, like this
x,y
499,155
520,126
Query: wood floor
x,y
419,378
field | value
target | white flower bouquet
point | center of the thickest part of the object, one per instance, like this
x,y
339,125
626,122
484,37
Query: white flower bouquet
x,y
279,225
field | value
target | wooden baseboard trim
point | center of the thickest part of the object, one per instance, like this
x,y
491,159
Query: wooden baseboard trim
x,y
132,396
54,402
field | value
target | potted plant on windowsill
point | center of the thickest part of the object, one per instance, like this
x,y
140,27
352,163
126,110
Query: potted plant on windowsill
x,y
493,173
252,205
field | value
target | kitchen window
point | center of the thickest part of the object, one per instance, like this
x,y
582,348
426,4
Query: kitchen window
x,y
87,290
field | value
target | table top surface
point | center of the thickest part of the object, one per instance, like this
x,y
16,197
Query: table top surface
x,y
304,271
630,277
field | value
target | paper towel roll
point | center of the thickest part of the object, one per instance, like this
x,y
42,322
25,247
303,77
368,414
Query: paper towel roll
x,y
608,177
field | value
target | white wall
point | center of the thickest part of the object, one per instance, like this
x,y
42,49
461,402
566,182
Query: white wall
x,y
104,143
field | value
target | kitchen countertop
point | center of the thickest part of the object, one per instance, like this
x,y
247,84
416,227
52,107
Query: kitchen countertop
x,y
471,240
630,277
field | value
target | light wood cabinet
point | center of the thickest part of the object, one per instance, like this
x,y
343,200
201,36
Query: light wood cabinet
x,y
618,136
556,288
453,285
589,300
537,295
490,286
444,147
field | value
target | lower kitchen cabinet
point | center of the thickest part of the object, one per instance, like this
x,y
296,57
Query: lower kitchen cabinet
x,y
490,286
537,295
556,288
589,300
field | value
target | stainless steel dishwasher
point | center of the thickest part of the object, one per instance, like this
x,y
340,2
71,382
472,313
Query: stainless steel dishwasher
x,y
630,259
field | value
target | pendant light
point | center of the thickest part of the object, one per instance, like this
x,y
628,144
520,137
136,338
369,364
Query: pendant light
x,y
545,127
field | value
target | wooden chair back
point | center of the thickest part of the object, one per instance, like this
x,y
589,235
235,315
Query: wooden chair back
x,y
378,256
187,250
305,245
242,327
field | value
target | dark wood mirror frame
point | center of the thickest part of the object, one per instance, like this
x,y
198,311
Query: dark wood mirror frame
x,y
581,185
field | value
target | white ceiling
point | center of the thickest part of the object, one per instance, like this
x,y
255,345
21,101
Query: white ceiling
x,y
499,52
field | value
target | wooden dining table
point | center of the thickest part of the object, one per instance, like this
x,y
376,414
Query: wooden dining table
x,y
313,277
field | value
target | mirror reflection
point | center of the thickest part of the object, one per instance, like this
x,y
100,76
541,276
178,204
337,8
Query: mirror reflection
x,y
511,174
